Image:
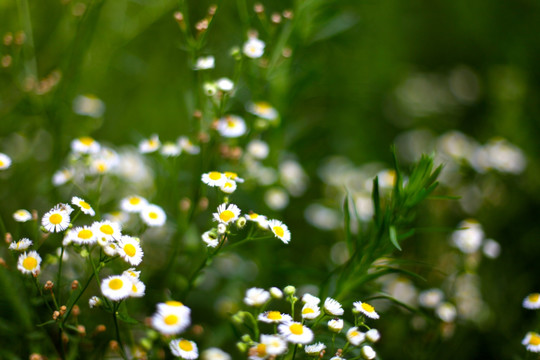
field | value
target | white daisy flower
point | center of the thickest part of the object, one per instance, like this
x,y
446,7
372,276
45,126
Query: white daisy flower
x,y
171,320
116,287
335,325
21,245
296,333
110,248
333,307
310,311
275,345
94,301
88,105
257,352
56,219
280,230
22,215
446,312
355,336
226,213
204,63
532,342
170,149
276,293
119,217
137,288
307,298
210,238
133,203
215,354
186,349
153,215
373,335
225,84
228,186
368,352
99,166
29,263
107,230
231,126
188,146
431,298
82,235
5,161
258,149
532,301
259,219
174,306
149,145
274,317
213,178
253,48
85,207
130,250
62,176
314,349
365,309
85,145
263,110
256,297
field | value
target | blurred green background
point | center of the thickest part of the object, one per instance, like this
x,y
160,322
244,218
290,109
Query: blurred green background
x,y
362,73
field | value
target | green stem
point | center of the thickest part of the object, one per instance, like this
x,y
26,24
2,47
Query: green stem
x,y
117,330
77,298
59,275
294,351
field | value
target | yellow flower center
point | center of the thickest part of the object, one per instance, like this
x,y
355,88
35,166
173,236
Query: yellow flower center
x,y
230,175
2,163
29,263
174,303
130,250
308,311
534,297
134,288
171,319
228,185
253,216
296,329
214,175
85,205
534,340
185,345
231,123
153,143
86,140
153,215
274,315
106,229
101,167
261,350
226,215
134,200
367,307
262,107
278,230
354,333
116,284
55,219
85,234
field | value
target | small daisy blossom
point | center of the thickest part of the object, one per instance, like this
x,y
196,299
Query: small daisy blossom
x,y
130,250
228,186
256,297
259,219
85,145
205,63
171,320
253,48
431,298
186,349
365,309
153,215
22,215
29,263
213,178
62,176
446,312
107,230
94,301
85,207
233,176
275,345
225,84
137,288
210,238
20,245
5,161
333,307
116,287
215,354
307,298
149,145
88,105
258,149
170,149
276,293
263,110
174,306
231,126
310,311
280,230
296,333
188,146
373,335
314,349
56,219
110,248
355,336
274,317
226,213
133,203
132,273
532,341
532,301
368,352
257,352
82,235
335,325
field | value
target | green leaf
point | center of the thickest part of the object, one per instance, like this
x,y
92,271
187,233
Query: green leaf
x,y
393,237
347,220
46,323
126,318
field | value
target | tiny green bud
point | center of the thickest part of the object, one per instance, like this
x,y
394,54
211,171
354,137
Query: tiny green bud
x,y
146,343
246,338
84,253
241,222
235,53
289,290
242,347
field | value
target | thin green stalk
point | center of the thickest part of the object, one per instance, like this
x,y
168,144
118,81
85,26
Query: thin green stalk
x,y
117,330
77,298
59,274
294,351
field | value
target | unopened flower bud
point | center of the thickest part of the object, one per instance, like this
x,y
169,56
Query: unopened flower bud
x,y
221,228
35,356
63,309
74,285
48,285
212,10
276,293
55,315
9,238
242,347
258,8
76,310
82,330
113,345
289,290
246,338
